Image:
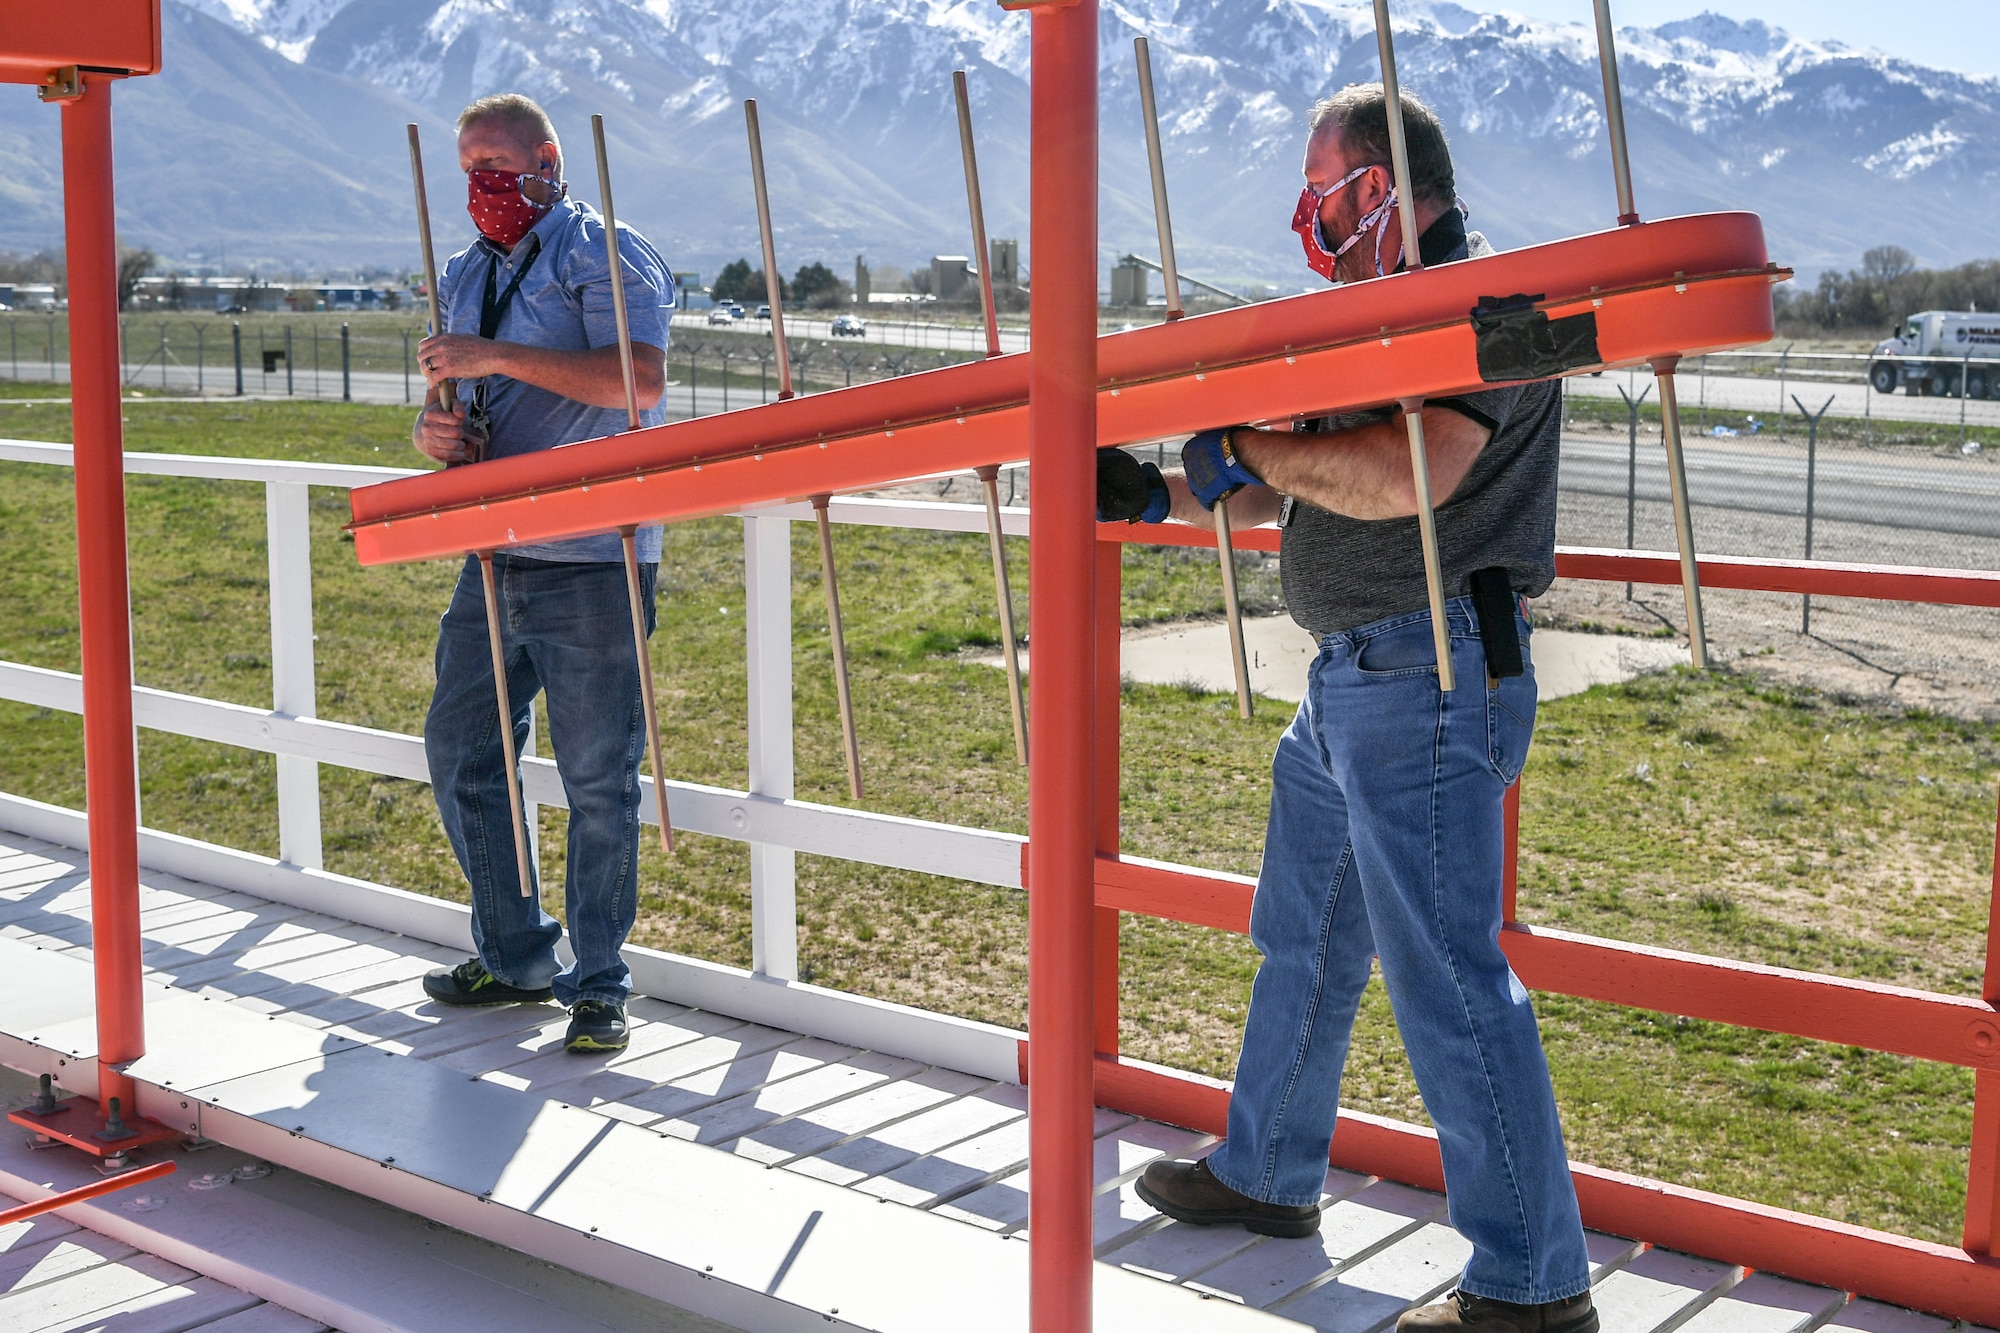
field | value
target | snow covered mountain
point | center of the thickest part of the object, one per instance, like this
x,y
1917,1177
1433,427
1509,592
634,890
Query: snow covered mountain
x,y
275,131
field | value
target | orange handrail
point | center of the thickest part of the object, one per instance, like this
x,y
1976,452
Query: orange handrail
x,y
1962,1282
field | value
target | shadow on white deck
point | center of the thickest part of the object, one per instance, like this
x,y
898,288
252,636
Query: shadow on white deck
x,y
724,1166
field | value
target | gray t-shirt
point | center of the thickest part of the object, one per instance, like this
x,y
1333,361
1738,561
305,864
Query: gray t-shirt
x,y
1341,572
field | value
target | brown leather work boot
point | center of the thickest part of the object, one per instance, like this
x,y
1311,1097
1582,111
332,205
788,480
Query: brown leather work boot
x,y
1186,1192
1461,1311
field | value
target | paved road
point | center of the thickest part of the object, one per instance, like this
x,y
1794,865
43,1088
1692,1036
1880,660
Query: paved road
x,y
386,388
1946,495
919,334
1739,394
1729,393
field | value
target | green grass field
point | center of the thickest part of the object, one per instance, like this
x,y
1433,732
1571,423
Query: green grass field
x,y
1715,813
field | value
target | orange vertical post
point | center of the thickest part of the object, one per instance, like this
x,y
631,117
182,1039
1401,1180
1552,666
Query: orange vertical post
x,y
1110,579
111,780
1062,772
1982,1183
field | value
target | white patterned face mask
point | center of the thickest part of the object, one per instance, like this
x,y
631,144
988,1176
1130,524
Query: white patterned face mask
x,y
1305,221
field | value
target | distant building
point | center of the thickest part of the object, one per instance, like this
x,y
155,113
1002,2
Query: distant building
x,y
30,296
1004,259
861,288
1128,283
950,276
352,298
223,295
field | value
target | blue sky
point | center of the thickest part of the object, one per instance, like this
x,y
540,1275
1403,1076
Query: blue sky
x,y
1964,36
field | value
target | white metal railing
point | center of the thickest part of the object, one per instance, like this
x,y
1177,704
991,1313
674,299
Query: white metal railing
x,y
768,817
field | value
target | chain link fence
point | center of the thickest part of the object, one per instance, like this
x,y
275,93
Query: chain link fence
x,y
1845,474
1789,455
351,357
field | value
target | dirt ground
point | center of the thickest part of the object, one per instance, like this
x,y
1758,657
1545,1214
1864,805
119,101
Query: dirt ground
x,y
1942,658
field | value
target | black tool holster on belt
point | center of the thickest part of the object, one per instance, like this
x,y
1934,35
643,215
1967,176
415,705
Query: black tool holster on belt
x,y
1493,600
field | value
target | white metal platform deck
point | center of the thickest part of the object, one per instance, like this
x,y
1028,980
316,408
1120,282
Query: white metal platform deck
x,y
762,1177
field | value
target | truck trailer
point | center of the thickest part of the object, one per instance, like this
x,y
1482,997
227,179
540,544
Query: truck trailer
x,y
1941,353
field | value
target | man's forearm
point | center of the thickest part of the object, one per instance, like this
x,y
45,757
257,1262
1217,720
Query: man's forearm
x,y
1248,508
594,376
1364,472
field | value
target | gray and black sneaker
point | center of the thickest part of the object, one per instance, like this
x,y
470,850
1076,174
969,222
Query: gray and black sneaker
x,y
1188,1192
595,1025
470,984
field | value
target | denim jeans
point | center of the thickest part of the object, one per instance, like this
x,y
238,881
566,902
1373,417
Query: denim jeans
x,y
1385,841
566,629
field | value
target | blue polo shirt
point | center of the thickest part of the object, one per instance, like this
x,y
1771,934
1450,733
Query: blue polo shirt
x,y
564,303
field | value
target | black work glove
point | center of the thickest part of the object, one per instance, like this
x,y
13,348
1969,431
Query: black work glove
x,y
1129,491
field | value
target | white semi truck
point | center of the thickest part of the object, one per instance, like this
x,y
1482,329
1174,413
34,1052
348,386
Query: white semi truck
x,y
1942,353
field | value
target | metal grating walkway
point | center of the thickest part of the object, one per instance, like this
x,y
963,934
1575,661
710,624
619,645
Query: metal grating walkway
x,y
56,1277
880,1128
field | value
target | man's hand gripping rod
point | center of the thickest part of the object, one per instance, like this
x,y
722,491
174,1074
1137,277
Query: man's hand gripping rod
x,y
634,595
850,742
1225,545
989,476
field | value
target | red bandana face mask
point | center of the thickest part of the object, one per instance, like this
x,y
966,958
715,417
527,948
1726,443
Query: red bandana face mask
x,y
500,208
1305,221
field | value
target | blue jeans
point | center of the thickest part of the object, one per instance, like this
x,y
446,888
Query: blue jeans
x,y
567,629
1385,840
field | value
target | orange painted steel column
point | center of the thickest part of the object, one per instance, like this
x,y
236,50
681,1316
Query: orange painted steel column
x,y
1982,1183
111,780
1110,681
1062,825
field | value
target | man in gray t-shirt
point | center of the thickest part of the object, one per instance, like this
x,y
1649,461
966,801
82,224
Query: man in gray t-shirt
x,y
1386,829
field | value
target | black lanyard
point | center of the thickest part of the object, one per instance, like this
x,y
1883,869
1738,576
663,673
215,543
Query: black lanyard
x,y
490,311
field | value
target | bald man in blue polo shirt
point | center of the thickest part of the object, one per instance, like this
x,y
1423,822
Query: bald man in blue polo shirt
x,y
529,341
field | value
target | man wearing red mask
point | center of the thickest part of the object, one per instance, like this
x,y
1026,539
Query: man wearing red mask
x,y
1386,825
531,346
